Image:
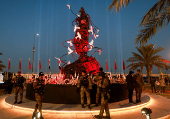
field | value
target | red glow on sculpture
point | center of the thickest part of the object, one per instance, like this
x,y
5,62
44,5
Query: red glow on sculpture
x,y
80,45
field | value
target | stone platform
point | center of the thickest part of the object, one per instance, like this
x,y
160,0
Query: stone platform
x,y
118,110
74,108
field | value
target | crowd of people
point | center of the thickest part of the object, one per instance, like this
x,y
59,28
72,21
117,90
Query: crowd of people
x,y
158,84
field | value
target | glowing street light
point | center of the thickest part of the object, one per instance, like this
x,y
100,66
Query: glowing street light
x,y
33,51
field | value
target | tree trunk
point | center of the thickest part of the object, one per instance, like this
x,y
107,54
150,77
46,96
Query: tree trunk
x,y
148,74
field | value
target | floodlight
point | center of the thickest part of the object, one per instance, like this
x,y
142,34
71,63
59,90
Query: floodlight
x,y
36,115
147,112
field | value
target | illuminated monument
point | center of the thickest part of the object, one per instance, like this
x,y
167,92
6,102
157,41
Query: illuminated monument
x,y
80,46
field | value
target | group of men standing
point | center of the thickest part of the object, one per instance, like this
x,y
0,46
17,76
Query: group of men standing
x,y
85,86
38,87
135,82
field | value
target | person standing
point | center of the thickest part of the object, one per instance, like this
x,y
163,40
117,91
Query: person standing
x,y
162,84
18,86
9,85
98,80
130,85
105,96
152,82
84,86
157,85
39,89
139,84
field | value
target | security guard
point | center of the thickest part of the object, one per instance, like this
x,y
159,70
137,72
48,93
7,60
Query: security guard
x,y
18,86
105,95
39,89
85,83
139,84
98,80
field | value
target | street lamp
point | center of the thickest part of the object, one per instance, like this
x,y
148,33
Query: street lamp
x,y
33,52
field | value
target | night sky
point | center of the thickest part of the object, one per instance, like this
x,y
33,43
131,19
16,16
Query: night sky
x,y
52,19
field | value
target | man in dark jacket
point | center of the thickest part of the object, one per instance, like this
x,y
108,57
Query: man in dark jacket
x,y
152,82
130,85
9,85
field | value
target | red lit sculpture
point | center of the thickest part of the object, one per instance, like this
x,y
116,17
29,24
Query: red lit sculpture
x,y
80,46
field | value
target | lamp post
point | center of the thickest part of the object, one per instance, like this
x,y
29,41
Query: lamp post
x,y
33,52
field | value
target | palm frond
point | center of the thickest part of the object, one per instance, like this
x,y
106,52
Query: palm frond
x,y
1,69
139,57
140,50
117,4
155,51
162,65
134,66
3,66
155,58
152,26
154,11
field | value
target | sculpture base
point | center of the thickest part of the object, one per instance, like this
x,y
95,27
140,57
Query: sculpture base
x,y
67,94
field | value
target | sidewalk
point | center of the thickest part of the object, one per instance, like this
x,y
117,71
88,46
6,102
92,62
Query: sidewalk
x,y
158,104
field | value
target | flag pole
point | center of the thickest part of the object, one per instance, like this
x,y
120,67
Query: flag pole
x,y
114,68
8,70
48,71
124,64
48,66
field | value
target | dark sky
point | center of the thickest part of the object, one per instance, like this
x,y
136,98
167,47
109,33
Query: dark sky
x,y
21,19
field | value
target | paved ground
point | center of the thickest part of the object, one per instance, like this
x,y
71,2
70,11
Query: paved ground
x,y
74,107
159,105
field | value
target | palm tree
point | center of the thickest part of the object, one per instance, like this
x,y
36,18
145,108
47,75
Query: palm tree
x,y
156,18
147,57
1,65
